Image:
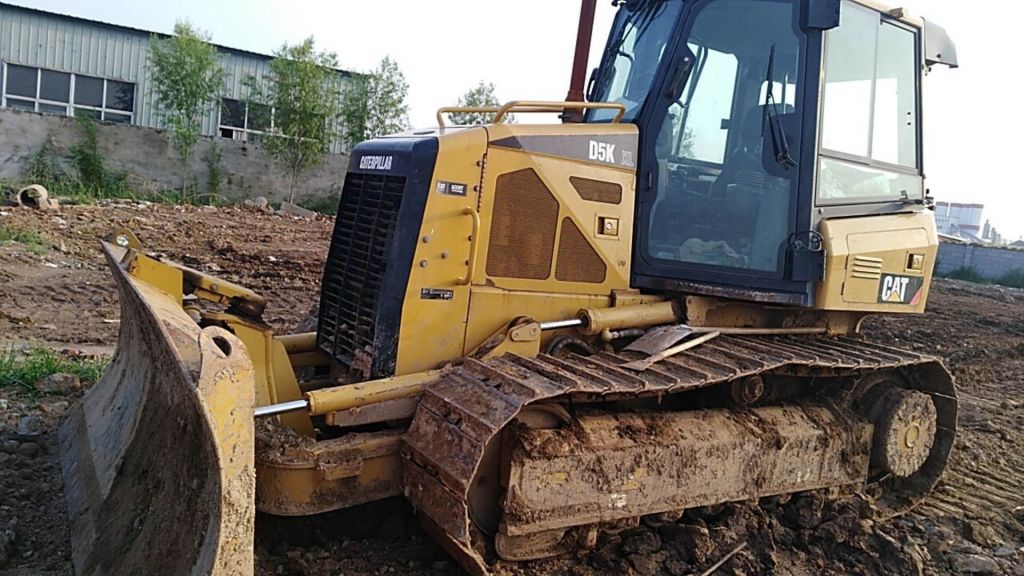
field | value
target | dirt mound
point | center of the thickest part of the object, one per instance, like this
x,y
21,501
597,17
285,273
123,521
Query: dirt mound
x,y
378,538
61,291
797,537
33,528
58,292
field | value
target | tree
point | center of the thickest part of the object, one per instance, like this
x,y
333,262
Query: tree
x,y
375,105
187,78
303,91
481,96
686,144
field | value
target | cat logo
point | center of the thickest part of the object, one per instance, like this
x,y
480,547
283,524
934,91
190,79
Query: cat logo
x,y
900,289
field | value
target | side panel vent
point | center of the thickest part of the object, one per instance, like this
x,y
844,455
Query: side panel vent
x,y
523,228
866,267
597,191
577,259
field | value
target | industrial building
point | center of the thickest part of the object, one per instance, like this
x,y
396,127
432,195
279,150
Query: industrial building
x,y
957,219
58,64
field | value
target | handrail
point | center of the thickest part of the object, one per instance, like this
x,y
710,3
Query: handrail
x,y
473,245
532,107
465,110
538,106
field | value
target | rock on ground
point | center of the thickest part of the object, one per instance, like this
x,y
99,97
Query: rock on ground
x,y
59,384
975,564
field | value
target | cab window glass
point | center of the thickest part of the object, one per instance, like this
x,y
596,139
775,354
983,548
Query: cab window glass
x,y
869,114
634,52
895,127
700,130
723,198
849,80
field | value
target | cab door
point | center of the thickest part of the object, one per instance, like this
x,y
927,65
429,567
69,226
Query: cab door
x,y
723,154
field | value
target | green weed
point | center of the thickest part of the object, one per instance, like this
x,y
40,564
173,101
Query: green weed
x,y
966,273
30,238
214,170
1013,278
81,176
322,204
23,370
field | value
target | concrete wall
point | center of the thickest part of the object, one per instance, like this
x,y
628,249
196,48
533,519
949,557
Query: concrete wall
x,y
989,262
147,155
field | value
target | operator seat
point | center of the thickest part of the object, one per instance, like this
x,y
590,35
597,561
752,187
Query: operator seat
x,y
757,203
743,166
663,227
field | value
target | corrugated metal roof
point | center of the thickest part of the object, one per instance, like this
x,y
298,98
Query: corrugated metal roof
x,y
43,40
147,33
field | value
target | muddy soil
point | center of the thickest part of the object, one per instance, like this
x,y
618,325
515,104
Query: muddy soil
x,y
973,524
62,295
66,294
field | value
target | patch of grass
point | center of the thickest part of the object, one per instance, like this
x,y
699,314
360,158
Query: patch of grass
x,y
25,369
12,234
214,170
80,174
72,191
322,204
1013,278
70,187
968,274
89,163
30,238
193,199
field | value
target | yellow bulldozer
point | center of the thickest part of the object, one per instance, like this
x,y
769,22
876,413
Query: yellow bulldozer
x,y
537,332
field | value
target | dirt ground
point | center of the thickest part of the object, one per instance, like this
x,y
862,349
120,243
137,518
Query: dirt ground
x,y
973,524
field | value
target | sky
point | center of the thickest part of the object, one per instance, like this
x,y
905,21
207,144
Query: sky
x,y
973,120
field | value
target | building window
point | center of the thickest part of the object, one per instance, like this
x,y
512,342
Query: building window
x,y
244,121
52,92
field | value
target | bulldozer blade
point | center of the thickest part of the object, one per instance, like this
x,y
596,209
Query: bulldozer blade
x,y
158,456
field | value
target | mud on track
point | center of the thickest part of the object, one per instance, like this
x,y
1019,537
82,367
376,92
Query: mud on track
x,y
974,523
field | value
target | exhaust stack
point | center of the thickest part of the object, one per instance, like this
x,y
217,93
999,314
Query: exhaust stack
x,y
580,60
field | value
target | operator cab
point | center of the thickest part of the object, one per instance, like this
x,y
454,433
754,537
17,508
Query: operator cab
x,y
758,119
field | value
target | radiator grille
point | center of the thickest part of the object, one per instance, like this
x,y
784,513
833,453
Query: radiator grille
x,y
523,228
577,259
356,264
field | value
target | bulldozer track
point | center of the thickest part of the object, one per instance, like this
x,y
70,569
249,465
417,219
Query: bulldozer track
x,y
466,409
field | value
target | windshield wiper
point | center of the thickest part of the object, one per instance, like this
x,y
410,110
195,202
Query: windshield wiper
x,y
780,144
